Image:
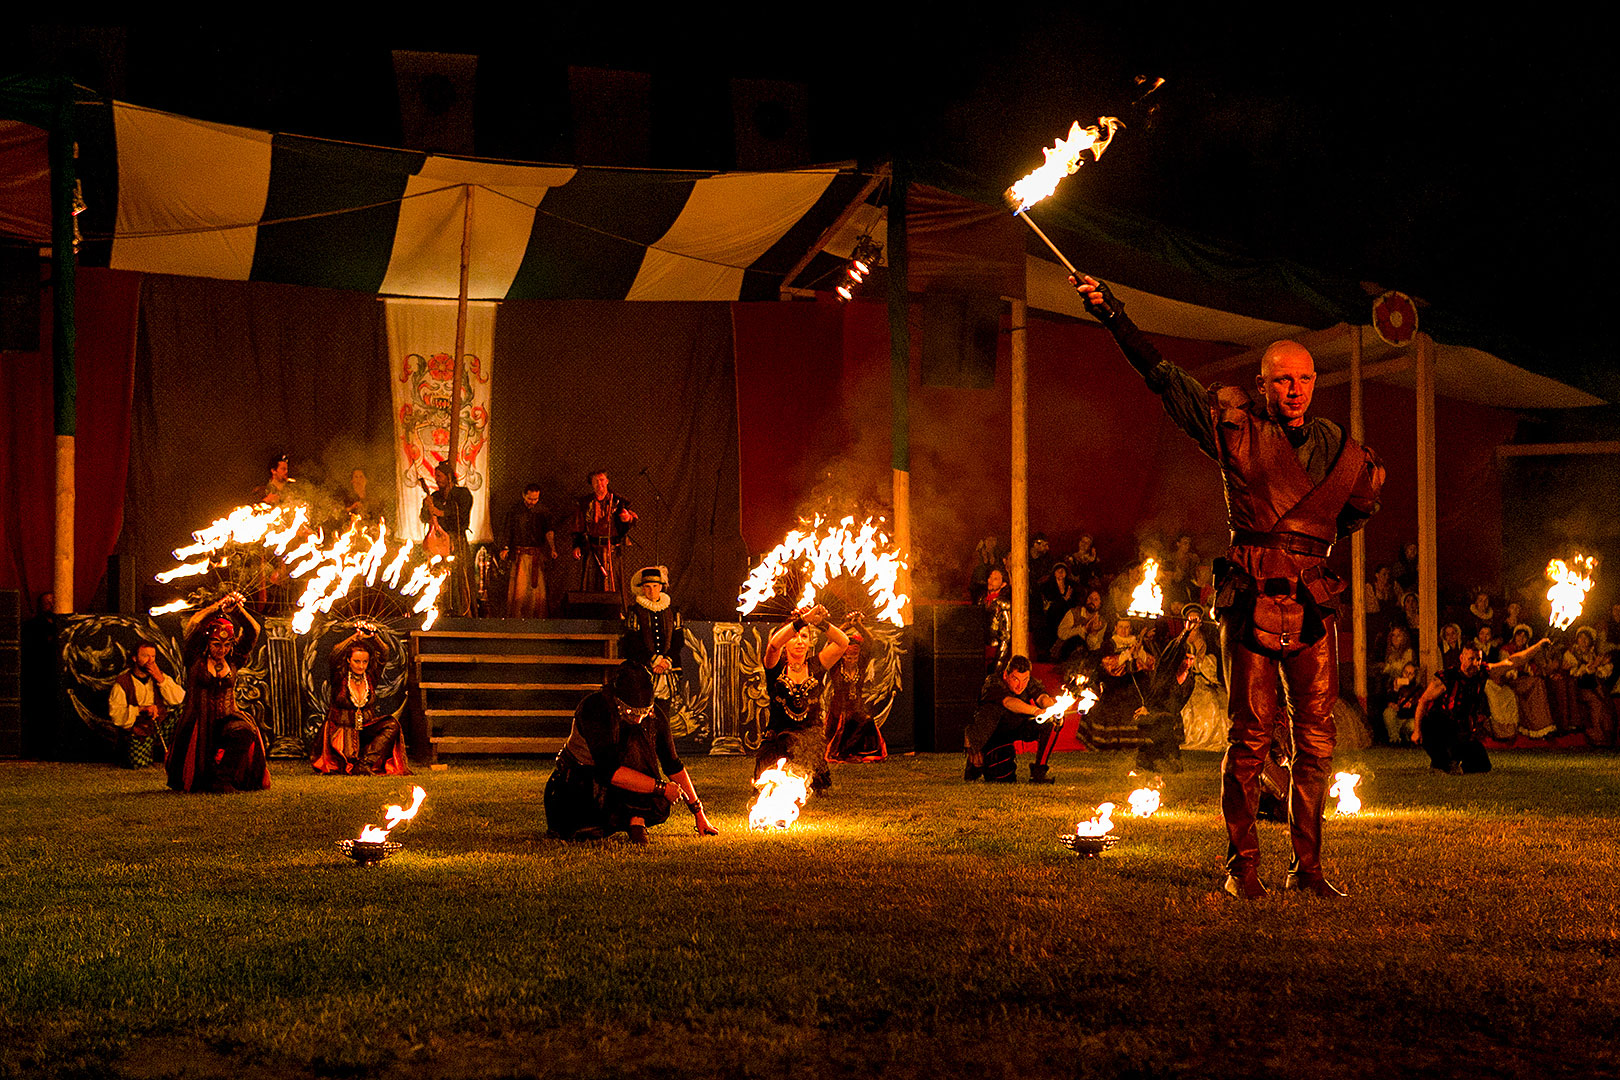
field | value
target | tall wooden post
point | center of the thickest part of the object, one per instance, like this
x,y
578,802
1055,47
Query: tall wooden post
x,y
461,334
1018,558
1428,561
64,336
899,305
1358,539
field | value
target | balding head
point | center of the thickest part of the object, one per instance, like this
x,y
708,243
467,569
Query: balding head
x,y
1286,381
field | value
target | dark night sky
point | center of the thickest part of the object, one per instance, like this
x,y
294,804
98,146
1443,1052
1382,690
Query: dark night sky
x,y
1462,160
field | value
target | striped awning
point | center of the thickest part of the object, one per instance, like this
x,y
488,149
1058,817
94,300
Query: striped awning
x,y
212,200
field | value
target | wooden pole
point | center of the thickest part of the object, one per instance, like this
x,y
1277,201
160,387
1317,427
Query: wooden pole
x,y
1428,561
64,337
461,334
1018,558
1358,539
899,311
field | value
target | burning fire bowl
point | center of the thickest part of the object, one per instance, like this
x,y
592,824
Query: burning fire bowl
x,y
368,852
1089,847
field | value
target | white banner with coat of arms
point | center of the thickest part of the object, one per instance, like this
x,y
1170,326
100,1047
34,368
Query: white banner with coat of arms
x,y
421,353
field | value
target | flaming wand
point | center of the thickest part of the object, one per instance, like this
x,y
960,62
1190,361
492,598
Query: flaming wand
x,y
1063,158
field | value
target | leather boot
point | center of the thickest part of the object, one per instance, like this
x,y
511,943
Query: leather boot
x,y
1315,884
1040,774
1244,883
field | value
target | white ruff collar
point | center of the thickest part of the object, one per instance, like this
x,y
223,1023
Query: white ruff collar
x,y
651,605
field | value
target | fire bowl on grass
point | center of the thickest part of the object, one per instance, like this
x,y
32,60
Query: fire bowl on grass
x,y
1089,847
368,852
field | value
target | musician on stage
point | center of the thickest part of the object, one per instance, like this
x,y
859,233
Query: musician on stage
x,y
1294,486
447,512
601,523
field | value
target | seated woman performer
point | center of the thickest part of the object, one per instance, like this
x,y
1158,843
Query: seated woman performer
x,y
852,735
216,748
795,678
607,777
354,738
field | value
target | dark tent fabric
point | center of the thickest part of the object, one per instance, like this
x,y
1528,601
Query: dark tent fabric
x,y
106,302
228,374
646,392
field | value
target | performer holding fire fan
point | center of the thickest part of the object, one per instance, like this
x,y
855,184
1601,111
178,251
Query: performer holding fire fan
x,y
1293,487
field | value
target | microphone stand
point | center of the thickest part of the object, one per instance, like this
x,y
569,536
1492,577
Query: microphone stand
x,y
658,526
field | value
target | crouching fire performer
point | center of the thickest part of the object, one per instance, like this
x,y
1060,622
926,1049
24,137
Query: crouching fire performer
x,y
354,738
1293,487
1009,703
217,748
607,778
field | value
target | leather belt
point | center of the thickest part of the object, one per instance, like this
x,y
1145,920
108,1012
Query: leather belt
x,y
1293,543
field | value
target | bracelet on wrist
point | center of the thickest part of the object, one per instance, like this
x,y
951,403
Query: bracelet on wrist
x,y
798,622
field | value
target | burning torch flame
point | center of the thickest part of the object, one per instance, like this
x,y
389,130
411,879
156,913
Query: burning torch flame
x,y
1570,583
394,816
1101,825
1077,696
781,793
191,569
1147,598
1344,789
178,605
1062,159
1144,801
862,553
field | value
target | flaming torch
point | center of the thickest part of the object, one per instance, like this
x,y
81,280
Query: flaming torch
x,y
1144,802
803,568
1076,696
372,845
1570,583
1063,158
1092,838
781,793
1344,789
1147,599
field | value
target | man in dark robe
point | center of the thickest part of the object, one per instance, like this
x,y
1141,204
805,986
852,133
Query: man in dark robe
x,y
531,545
601,522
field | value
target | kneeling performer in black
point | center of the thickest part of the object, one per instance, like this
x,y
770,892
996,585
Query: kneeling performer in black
x,y
607,775
1008,705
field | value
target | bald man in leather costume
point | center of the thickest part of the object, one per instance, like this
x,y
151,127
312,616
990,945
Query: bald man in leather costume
x,y
1293,487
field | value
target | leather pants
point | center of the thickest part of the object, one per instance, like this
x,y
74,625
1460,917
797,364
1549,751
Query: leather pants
x,y
1256,684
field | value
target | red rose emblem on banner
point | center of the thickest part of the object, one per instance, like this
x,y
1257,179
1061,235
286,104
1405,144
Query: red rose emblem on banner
x,y
441,365
1395,318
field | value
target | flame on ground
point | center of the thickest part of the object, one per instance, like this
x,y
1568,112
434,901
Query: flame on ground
x,y
1063,159
1100,825
394,816
781,793
1144,801
832,551
1344,789
1570,583
1147,599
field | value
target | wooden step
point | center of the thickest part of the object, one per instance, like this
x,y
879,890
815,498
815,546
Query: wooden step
x,y
586,687
497,744
433,714
490,658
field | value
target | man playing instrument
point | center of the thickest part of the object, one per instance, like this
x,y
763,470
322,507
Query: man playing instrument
x,y
601,522
1293,487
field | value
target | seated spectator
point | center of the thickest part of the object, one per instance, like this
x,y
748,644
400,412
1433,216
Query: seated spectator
x,y
1382,594
1083,562
1397,654
1057,596
1406,567
1591,671
1451,643
1401,711
1204,719
1408,614
139,705
1041,561
1502,703
986,557
1008,704
1529,685
1081,629
1480,611
1512,618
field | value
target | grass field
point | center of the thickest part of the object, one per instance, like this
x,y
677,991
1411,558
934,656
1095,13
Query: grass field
x,y
910,926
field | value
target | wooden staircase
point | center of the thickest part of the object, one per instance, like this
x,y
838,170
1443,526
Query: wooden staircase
x,y
494,686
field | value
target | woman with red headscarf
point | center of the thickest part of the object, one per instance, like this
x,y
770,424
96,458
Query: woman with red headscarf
x,y
216,748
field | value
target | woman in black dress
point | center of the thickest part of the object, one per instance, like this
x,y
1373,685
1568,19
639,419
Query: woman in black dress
x,y
795,680
853,737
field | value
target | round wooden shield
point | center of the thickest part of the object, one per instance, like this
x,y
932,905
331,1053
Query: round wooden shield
x,y
1395,317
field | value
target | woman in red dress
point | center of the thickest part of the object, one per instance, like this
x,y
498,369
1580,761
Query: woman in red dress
x,y
217,748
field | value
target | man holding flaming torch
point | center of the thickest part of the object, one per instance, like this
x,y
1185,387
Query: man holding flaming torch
x,y
1009,705
1293,487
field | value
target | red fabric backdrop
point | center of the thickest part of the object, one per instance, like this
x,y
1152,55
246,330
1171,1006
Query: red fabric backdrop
x,y
106,302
